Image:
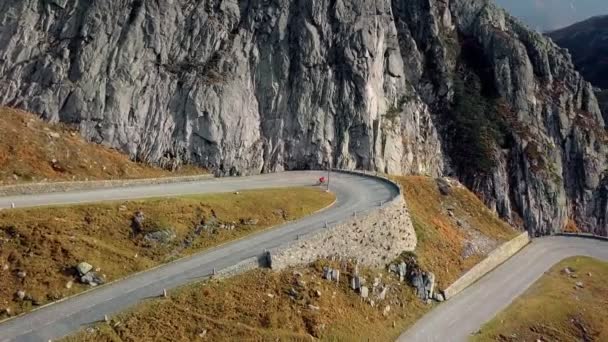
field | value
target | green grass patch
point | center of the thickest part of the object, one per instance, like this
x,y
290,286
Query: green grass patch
x,y
47,242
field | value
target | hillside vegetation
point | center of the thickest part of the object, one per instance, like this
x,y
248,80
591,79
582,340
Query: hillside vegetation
x,y
41,247
32,150
298,304
455,230
567,304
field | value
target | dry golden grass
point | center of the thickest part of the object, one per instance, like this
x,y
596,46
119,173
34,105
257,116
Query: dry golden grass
x,y
48,242
555,309
28,147
256,306
440,240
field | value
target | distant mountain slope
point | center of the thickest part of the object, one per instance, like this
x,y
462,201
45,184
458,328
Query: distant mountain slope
x,y
549,15
587,42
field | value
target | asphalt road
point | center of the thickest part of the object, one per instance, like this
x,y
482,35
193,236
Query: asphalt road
x,y
354,194
463,315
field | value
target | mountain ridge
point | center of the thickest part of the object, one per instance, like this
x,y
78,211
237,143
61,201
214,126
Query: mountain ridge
x,y
430,87
587,41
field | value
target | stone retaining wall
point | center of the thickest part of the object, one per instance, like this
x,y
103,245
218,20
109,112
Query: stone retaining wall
x,y
38,188
495,258
373,239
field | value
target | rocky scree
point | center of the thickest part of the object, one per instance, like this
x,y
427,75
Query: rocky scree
x,y
431,87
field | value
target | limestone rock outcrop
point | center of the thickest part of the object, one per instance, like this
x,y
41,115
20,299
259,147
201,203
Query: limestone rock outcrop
x,y
451,87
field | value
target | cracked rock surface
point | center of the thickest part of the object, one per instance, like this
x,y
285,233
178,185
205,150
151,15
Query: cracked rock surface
x,y
252,86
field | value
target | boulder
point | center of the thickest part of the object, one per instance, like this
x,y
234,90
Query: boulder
x,y
92,279
438,297
22,274
381,292
417,282
444,186
335,275
21,294
364,292
402,271
429,284
356,282
327,273
250,222
84,268
137,222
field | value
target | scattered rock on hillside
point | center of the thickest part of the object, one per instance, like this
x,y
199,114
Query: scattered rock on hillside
x,y
429,285
21,294
54,135
445,188
381,291
84,268
364,291
137,222
250,222
22,274
163,236
355,283
56,165
92,279
568,270
402,271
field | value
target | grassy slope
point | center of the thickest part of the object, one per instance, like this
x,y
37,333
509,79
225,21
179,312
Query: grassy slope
x,y
554,309
255,307
29,145
440,239
46,242
240,308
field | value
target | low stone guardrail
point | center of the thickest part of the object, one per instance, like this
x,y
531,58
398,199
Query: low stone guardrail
x,y
493,260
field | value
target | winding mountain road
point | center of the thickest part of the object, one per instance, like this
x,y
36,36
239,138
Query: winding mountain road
x,y
454,320
463,315
354,193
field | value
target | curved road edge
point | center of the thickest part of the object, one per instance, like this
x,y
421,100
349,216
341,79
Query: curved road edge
x,y
355,192
465,313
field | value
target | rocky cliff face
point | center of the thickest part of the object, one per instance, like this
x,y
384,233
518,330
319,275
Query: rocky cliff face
x,y
430,87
